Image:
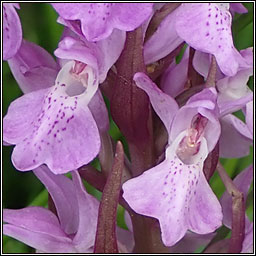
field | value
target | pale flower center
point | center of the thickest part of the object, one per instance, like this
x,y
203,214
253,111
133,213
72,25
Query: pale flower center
x,y
190,144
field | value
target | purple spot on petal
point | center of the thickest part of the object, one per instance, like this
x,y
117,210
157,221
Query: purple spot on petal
x,y
207,23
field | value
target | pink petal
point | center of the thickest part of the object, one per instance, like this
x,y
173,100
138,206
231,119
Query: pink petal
x,y
17,124
207,28
174,78
163,41
36,219
70,48
42,241
202,62
233,105
99,111
63,194
100,55
33,67
12,31
164,105
88,216
235,138
205,214
99,19
36,227
190,242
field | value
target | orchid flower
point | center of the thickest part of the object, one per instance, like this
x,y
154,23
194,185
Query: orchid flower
x,y
96,21
60,116
176,191
12,31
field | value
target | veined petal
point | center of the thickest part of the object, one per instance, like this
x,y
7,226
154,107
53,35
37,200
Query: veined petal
x,y
108,51
12,31
60,130
202,62
99,19
167,192
41,241
174,78
88,216
207,28
36,227
99,111
163,41
33,67
63,195
21,114
235,87
232,105
36,219
164,105
235,137
100,55
70,48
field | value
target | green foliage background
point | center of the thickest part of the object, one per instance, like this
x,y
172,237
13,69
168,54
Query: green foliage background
x,y
21,189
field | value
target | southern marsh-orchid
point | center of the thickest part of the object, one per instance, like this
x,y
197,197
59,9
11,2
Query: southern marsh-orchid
x,y
131,117
55,112
176,191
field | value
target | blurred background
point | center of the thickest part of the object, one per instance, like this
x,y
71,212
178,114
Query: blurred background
x,y
21,189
